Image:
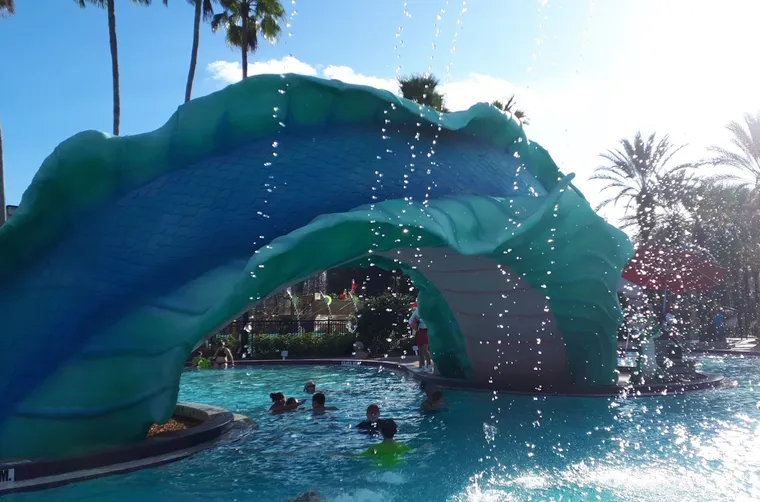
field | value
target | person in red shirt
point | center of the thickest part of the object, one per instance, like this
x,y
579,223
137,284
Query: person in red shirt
x,y
423,344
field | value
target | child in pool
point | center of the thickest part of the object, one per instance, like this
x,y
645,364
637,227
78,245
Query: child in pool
x,y
387,453
373,423
292,404
318,404
434,402
278,402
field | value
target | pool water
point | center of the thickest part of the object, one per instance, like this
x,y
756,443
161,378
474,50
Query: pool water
x,y
700,447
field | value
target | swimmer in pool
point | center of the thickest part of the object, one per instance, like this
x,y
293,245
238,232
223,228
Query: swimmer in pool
x,y
292,404
278,402
373,423
310,387
387,453
435,402
309,497
318,404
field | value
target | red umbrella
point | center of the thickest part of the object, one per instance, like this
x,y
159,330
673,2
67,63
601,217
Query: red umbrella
x,y
674,270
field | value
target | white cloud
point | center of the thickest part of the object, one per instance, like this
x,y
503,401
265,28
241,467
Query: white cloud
x,y
349,76
478,88
577,119
232,71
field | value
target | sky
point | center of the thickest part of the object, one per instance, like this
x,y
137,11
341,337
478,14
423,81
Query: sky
x,y
587,72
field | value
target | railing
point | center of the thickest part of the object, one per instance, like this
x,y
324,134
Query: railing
x,y
293,326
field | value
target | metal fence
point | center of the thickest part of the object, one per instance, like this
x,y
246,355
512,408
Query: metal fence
x,y
293,326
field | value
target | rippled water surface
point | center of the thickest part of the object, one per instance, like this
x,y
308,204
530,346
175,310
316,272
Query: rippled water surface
x,y
704,446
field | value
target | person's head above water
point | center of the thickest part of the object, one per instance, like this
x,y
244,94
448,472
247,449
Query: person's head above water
x,y
318,400
388,428
276,397
310,387
309,497
373,412
428,388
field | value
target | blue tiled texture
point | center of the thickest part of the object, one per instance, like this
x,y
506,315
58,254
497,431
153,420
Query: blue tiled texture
x,y
125,252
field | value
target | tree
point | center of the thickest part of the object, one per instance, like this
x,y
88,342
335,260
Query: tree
x,y
745,156
7,8
245,20
644,179
510,107
110,8
204,10
423,90
383,322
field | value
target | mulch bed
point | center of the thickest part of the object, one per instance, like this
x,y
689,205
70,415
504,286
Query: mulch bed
x,y
173,425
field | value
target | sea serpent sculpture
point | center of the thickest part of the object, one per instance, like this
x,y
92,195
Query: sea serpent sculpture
x,y
126,252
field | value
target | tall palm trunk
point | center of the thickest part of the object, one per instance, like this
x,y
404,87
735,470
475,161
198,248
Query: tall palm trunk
x,y
194,54
645,218
244,15
114,66
2,180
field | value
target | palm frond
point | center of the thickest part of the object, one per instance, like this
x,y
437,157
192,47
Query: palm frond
x,y
219,21
264,18
7,8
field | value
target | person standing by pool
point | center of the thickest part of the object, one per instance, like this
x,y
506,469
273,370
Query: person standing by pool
x,y
718,325
222,357
423,344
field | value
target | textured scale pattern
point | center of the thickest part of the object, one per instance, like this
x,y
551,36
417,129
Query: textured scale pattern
x,y
109,292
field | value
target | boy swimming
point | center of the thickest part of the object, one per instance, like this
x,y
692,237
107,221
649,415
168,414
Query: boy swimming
x,y
387,453
318,404
434,402
374,422
292,404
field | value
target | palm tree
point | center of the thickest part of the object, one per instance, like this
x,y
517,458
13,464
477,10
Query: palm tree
x,y
645,181
510,106
746,154
7,8
203,9
109,6
245,20
423,90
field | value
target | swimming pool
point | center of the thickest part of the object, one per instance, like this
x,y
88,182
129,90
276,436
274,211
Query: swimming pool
x,y
702,446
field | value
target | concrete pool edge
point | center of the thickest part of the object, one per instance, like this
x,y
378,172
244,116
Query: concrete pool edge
x,y
707,380
31,475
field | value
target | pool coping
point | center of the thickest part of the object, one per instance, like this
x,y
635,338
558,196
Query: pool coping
x,y
38,474
708,380
727,352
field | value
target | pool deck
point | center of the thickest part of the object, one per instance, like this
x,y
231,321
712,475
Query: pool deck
x,y
408,366
734,347
39,474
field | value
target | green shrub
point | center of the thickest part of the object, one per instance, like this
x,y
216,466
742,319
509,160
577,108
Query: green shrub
x,y
201,362
383,327
231,341
303,345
